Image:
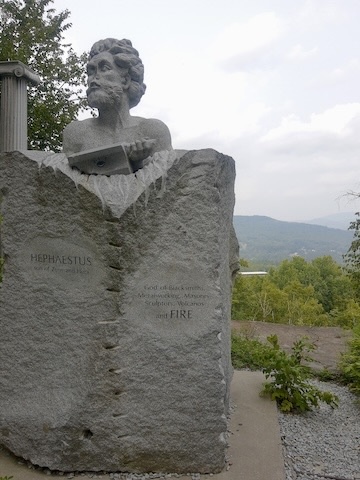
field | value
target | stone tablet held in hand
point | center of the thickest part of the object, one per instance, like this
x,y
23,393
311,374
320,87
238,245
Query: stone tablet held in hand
x,y
115,85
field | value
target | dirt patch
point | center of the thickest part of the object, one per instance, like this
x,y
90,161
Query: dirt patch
x,y
330,342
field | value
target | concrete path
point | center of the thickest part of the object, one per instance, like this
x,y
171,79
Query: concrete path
x,y
254,453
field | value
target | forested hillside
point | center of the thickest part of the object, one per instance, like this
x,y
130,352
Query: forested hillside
x,y
298,292
265,241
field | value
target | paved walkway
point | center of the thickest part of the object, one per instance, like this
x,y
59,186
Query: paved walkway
x,y
254,453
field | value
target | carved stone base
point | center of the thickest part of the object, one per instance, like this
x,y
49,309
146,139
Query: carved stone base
x,y
115,313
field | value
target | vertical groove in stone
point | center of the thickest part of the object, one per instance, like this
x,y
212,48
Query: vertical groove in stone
x,y
13,125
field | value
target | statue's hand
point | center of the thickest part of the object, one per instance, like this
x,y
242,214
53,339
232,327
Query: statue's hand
x,y
140,149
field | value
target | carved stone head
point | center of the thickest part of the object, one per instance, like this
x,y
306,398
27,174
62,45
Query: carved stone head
x,y
128,75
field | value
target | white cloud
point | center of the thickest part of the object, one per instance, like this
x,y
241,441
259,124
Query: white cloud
x,y
316,13
349,68
243,40
249,36
201,101
298,52
335,120
345,76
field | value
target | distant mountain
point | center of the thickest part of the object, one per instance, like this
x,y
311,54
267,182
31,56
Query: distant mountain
x,y
265,241
337,220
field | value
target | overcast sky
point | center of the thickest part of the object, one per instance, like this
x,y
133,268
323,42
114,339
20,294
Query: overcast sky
x,y
275,84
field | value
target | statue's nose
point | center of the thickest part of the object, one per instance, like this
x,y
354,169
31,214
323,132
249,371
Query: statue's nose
x,y
93,82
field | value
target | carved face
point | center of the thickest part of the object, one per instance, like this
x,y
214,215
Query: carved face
x,y
106,81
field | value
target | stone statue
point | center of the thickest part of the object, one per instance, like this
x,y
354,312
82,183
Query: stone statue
x,y
115,141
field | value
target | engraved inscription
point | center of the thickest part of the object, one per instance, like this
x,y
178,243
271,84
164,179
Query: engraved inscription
x,y
180,302
61,261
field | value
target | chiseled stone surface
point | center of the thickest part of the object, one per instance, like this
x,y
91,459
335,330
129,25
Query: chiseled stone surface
x,y
115,314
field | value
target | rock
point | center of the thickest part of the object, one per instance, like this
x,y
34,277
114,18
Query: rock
x,y
115,313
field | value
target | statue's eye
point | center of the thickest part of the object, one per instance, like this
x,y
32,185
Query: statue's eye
x,y
90,70
105,67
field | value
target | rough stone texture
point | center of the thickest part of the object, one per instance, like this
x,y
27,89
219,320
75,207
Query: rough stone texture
x,y
115,313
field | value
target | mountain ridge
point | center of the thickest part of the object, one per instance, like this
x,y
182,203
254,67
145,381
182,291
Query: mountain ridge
x,y
266,241
336,220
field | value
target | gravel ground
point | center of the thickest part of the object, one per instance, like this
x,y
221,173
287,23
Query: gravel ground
x,y
324,443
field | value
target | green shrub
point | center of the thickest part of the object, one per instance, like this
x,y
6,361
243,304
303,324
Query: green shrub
x,y
325,375
6,478
289,376
290,385
248,353
350,362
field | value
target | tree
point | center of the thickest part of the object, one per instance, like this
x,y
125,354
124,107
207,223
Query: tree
x,y
33,32
302,306
352,256
295,269
334,289
244,300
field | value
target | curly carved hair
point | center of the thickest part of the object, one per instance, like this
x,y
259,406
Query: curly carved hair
x,y
125,56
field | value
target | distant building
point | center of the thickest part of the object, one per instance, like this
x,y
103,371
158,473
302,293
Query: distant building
x,y
253,273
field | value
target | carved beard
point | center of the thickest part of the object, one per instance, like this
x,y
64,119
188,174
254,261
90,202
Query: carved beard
x,y
104,96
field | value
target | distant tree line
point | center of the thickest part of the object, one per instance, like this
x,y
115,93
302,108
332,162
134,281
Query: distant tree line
x,y
297,292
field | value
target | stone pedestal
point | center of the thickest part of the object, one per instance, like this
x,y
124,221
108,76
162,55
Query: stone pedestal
x,y
115,313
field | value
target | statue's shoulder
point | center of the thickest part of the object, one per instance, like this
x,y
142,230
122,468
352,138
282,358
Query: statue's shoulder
x,y
156,129
75,135
151,123
79,125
